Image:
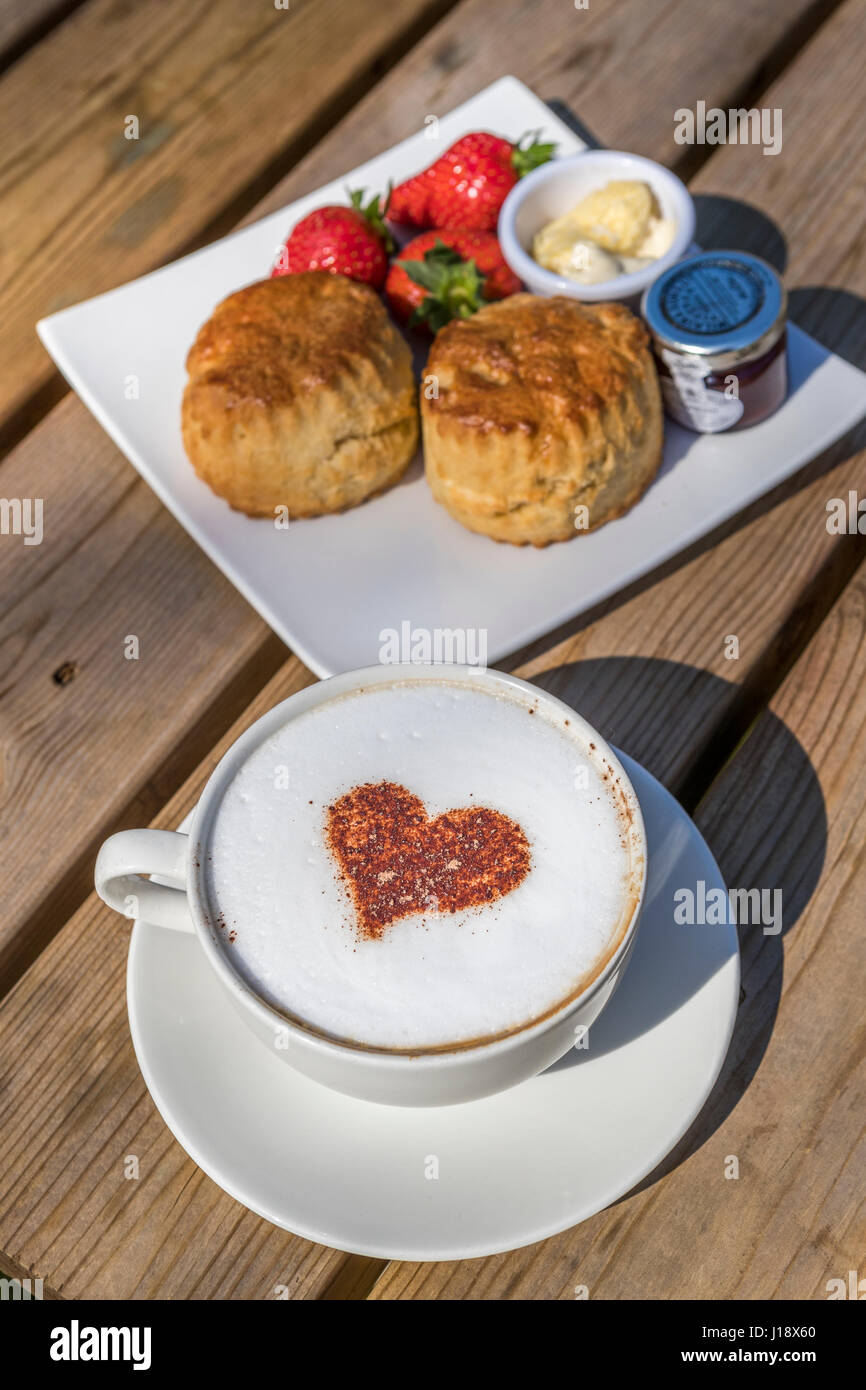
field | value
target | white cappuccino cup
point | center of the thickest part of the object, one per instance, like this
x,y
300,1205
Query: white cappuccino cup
x,y
419,885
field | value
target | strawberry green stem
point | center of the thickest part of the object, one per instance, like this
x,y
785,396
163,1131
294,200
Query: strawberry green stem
x,y
453,286
529,153
375,212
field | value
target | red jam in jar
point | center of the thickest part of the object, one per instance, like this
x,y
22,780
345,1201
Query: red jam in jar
x,y
718,327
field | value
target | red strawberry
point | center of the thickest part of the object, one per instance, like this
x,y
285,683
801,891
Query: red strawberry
x,y
468,184
446,274
350,241
407,205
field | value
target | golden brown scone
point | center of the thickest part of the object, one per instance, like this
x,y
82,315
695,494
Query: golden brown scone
x,y
300,395
543,406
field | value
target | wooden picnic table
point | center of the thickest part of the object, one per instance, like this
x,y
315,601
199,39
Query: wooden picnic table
x,y
243,108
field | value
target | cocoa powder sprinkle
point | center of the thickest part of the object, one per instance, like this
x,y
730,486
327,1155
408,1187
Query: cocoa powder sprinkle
x,y
398,862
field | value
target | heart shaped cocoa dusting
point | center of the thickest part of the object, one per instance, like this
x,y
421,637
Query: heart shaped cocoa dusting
x,y
398,862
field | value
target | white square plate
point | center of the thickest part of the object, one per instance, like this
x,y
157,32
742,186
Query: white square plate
x,y
330,586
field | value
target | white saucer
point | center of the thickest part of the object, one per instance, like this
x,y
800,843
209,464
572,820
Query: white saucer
x,y
512,1169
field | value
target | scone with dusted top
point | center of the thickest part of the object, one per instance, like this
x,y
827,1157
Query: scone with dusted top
x,y
300,395
544,418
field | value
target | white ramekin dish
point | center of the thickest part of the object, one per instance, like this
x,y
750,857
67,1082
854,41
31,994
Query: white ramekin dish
x,y
445,1076
555,188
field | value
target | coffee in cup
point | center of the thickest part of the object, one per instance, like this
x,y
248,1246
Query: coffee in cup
x,y
421,865
417,885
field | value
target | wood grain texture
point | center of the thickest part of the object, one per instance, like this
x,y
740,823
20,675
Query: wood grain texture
x,y
25,22
623,68
652,673
221,90
78,1097
768,576
113,563
71,754
772,817
74,1105
789,809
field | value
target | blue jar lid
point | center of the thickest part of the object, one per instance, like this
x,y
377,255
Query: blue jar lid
x,y
716,303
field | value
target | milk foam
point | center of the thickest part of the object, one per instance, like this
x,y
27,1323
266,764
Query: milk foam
x,y
286,916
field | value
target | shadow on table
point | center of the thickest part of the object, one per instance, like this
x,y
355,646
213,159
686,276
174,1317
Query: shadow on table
x,y
848,554
764,800
727,224
834,318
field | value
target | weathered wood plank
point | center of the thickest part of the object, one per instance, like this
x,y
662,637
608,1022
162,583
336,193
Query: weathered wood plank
x,y
778,570
795,1222
74,1105
789,1105
224,94
208,85
24,24
624,69
75,1081
794,212
110,536
115,564
90,1258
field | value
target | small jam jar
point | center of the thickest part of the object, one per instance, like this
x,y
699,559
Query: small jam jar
x,y
717,322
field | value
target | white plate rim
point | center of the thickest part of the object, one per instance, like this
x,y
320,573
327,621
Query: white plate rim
x,y
325,652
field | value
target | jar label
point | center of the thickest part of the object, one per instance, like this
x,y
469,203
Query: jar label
x,y
690,401
712,297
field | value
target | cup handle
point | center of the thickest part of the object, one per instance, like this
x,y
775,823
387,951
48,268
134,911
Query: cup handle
x,y
130,853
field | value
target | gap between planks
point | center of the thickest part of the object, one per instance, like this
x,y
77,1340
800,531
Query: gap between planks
x,y
53,908
686,161
25,23
356,1278
27,413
